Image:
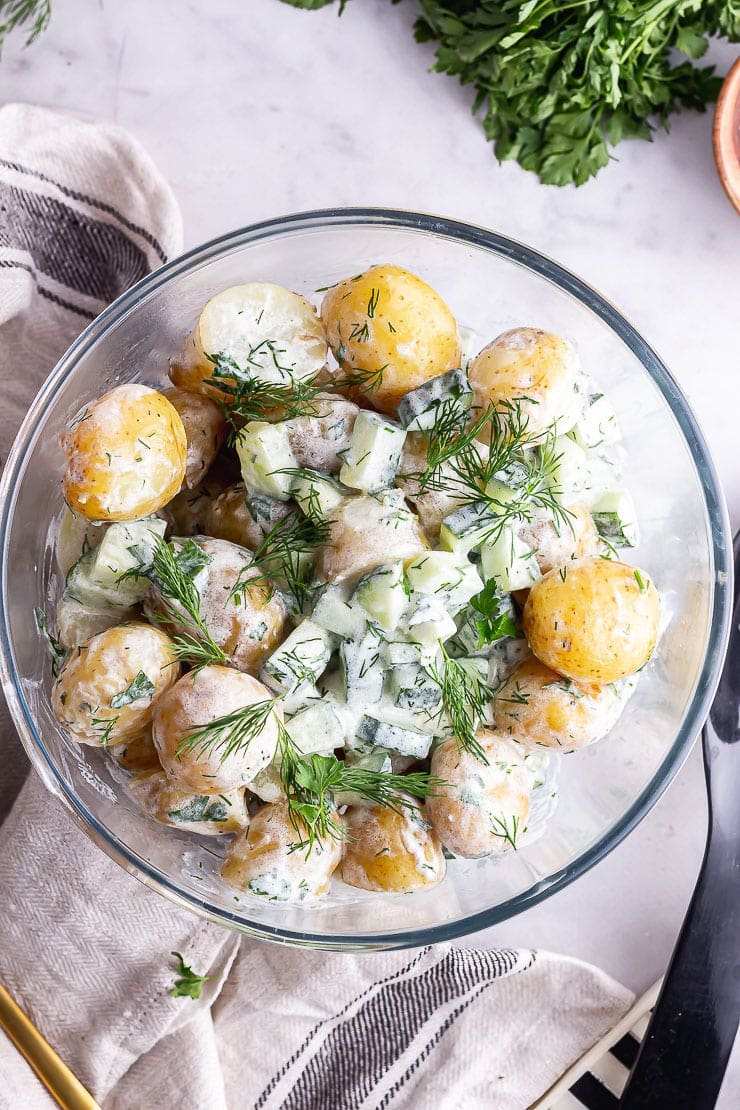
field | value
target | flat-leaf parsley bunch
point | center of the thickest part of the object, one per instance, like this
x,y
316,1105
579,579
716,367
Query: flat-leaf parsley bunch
x,y
558,84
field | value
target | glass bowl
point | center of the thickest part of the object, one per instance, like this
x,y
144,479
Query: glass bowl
x,y
492,284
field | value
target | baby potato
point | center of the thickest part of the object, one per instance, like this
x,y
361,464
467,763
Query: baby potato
x,y
247,625
365,532
273,332
187,513
539,371
317,439
555,543
266,861
205,431
432,505
593,619
482,808
106,690
125,455
229,517
390,332
198,699
206,814
539,707
391,851
137,755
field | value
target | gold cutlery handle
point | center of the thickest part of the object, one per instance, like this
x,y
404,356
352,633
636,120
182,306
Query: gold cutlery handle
x,y
59,1081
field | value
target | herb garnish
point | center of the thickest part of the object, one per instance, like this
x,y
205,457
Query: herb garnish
x,y
500,828
139,687
494,622
188,984
56,651
253,398
464,698
285,556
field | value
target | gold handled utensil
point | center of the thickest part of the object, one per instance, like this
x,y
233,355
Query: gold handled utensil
x,y
59,1081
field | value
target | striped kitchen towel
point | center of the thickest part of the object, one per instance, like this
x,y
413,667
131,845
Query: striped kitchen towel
x,y
84,948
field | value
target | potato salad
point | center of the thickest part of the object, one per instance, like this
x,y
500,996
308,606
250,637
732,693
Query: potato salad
x,y
340,584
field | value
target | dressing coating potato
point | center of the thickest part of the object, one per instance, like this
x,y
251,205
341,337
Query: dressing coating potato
x,y
205,814
593,619
125,455
391,851
272,332
539,707
391,331
205,431
108,670
316,439
556,543
229,517
365,532
137,755
247,625
198,699
483,808
265,860
538,370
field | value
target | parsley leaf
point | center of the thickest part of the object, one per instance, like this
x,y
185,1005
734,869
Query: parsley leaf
x,y
188,985
139,687
496,620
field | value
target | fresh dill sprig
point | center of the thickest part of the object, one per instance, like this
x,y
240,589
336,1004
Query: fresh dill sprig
x,y
249,397
229,734
364,381
464,699
56,651
33,15
286,555
172,572
500,828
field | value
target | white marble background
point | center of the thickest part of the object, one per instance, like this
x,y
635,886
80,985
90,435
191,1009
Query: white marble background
x,y
253,109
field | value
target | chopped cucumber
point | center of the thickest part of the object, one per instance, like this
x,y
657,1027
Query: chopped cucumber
x,y
362,669
267,512
570,472
467,527
316,728
445,575
124,547
419,408
509,562
302,657
371,461
315,494
414,688
333,613
382,594
598,426
383,734
77,623
377,760
616,519
429,625
265,455
402,653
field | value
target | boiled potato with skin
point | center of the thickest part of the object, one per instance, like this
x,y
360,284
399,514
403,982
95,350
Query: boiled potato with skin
x,y
198,699
555,543
539,707
392,851
536,370
481,809
365,532
247,625
137,755
125,455
430,505
100,696
268,860
229,517
593,619
273,333
205,431
391,332
205,814
317,438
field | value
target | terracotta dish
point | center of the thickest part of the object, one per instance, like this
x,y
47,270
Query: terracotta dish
x,y
726,136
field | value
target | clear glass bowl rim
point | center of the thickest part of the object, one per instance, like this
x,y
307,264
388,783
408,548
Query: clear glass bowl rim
x,y
721,606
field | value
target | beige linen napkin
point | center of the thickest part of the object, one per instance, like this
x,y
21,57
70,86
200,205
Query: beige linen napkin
x,y
84,948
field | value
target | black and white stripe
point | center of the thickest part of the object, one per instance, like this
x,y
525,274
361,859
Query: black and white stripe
x,y
365,1055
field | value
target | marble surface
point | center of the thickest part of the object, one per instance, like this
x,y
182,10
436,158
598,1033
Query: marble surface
x,y
255,110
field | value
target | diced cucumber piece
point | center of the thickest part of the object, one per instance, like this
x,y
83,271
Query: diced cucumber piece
x,y
315,494
302,657
383,734
267,784
382,594
414,688
598,426
77,623
82,588
267,512
467,527
446,575
616,519
502,493
376,760
509,562
570,473
402,653
429,625
419,408
362,669
265,455
371,461
303,694
316,728
332,612
124,547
